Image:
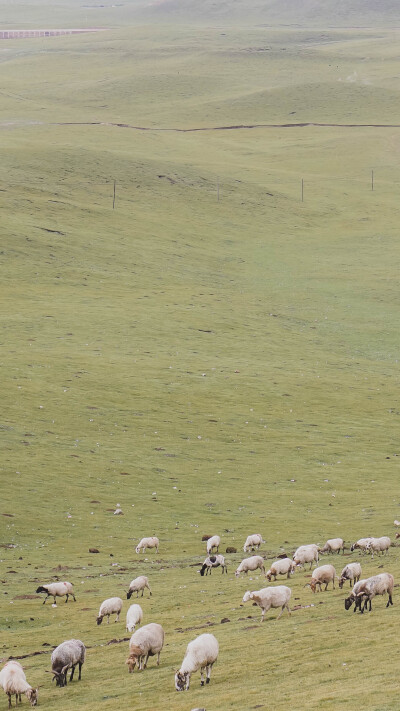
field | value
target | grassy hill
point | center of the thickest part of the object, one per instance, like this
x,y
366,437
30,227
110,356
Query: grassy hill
x,y
214,354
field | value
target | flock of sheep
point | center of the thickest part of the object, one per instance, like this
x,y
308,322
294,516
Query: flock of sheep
x,y
202,652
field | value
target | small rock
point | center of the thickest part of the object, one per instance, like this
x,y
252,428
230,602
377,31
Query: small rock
x,y
94,550
225,619
205,537
231,549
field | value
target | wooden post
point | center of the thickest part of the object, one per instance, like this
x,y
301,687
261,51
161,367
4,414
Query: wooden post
x,y
114,195
302,190
372,179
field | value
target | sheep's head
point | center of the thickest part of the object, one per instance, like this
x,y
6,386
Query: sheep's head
x,y
32,696
137,549
313,584
99,619
60,677
349,601
268,575
341,581
237,573
132,661
180,680
247,596
129,594
353,546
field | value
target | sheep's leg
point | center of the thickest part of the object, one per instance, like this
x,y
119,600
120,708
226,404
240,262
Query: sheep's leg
x,y
145,660
9,699
72,672
44,601
158,658
117,617
80,671
187,682
262,615
66,599
208,673
73,597
108,619
201,676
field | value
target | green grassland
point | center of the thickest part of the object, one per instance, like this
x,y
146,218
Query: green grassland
x,y
213,365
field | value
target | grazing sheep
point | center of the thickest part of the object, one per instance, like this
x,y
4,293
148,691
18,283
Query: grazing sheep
x,y
323,575
378,545
151,542
396,523
13,681
109,607
306,554
252,542
283,566
351,572
333,545
213,542
134,616
377,585
266,598
146,641
213,561
66,656
252,563
138,584
361,544
201,654
57,590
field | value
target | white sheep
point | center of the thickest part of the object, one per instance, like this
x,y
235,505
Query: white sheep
x,y
57,590
282,566
201,654
306,554
146,641
361,544
134,616
151,542
138,584
333,545
378,545
252,563
213,542
266,598
323,575
396,523
13,681
66,656
213,561
351,572
109,607
252,542
367,589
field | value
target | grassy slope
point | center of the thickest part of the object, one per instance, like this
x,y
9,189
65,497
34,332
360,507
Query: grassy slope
x,y
116,389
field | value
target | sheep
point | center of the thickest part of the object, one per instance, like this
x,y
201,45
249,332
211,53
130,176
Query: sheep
x,y
13,681
151,542
66,656
213,542
306,554
252,542
378,545
108,607
323,575
351,572
266,598
252,563
146,641
361,544
57,590
333,545
396,523
377,585
283,566
213,561
201,654
134,616
138,584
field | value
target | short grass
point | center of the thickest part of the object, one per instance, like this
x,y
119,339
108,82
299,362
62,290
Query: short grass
x,y
216,366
